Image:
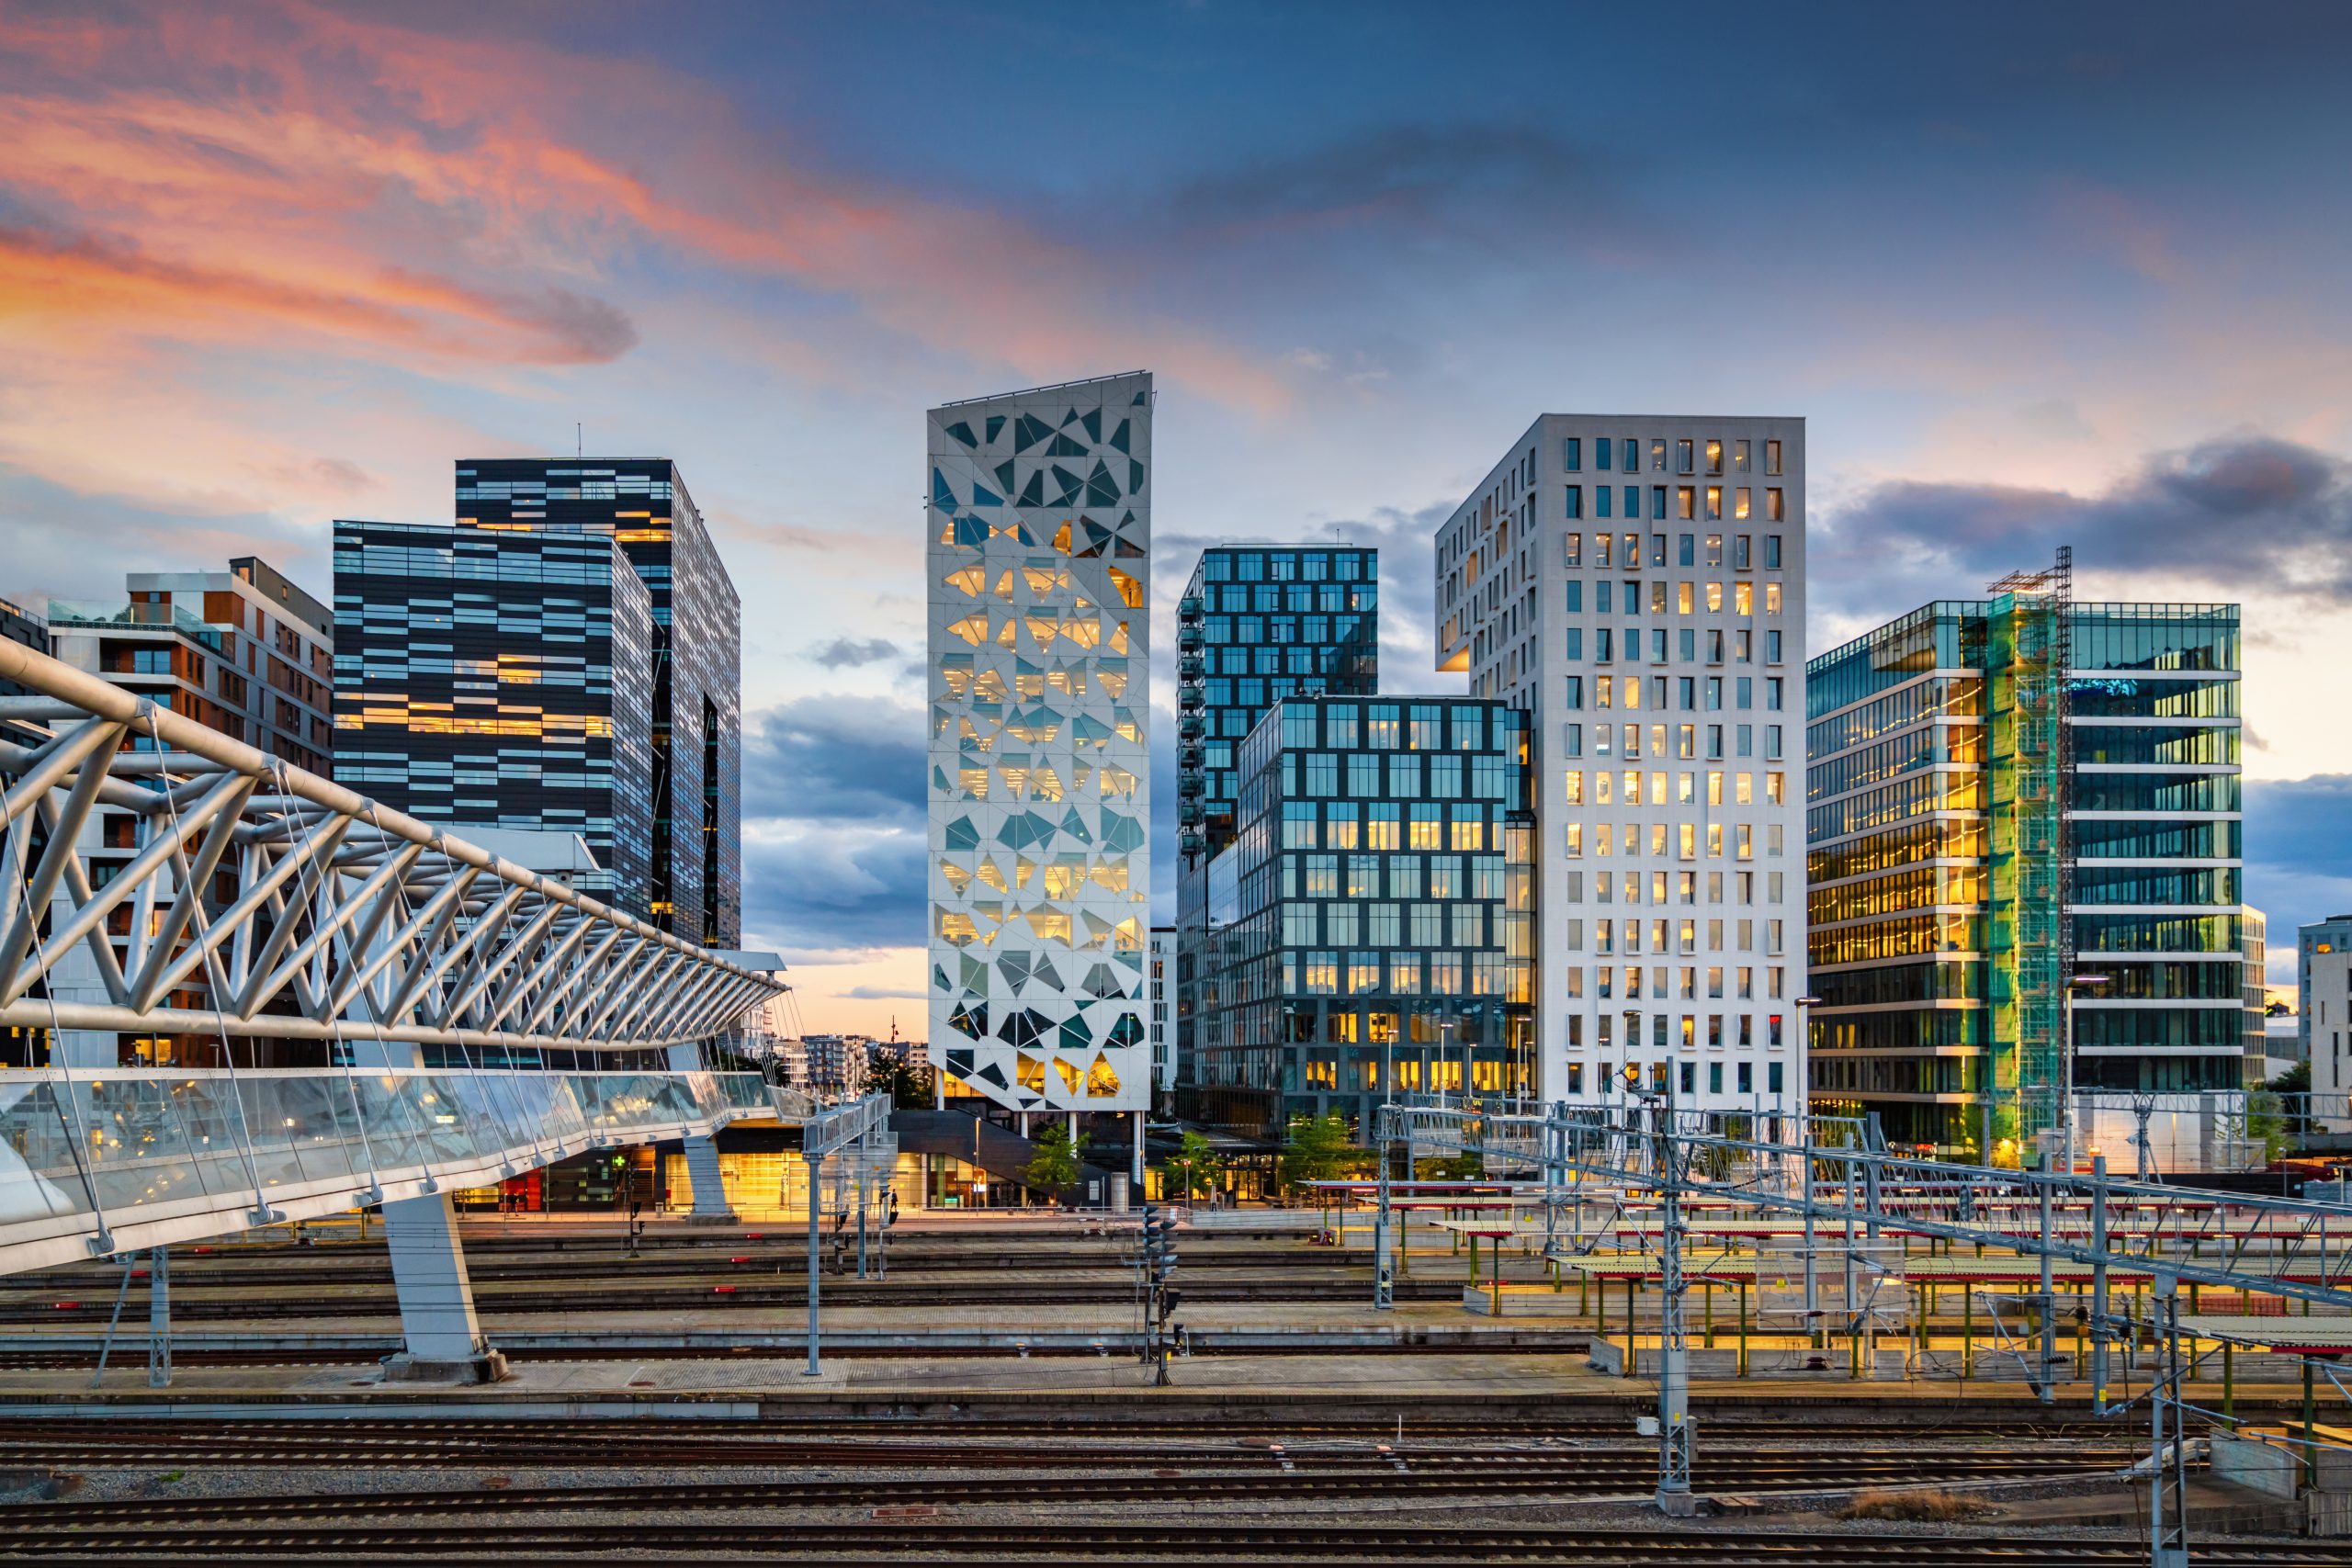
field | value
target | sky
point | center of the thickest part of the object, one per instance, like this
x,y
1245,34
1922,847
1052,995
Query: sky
x,y
2033,275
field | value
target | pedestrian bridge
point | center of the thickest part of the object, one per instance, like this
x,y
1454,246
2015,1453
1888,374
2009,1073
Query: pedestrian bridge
x,y
94,1163
169,893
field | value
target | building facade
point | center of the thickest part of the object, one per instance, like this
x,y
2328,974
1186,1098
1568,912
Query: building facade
x,y
694,669
1038,530
1163,995
501,677
2024,811
243,651
2323,1004
2254,935
1369,930
1256,623
1635,584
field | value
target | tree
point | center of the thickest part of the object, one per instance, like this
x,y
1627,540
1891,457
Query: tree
x,y
1193,1169
1319,1150
908,1087
1054,1166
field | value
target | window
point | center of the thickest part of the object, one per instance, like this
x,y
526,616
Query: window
x,y
1574,502
1572,697
1600,494
1739,456
1714,455
1382,829
1572,455
1739,503
1632,462
1685,498
1771,550
1657,453
1601,451
1714,503
1682,456
1632,500
1572,549
1773,690
1604,549
1772,511
1772,647
1772,466
1771,598
1740,552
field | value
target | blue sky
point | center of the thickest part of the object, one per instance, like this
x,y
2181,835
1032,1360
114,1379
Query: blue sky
x,y
2032,274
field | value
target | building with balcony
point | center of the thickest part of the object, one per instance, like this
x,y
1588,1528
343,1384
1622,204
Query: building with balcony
x,y
2023,832
243,651
1370,928
1636,586
1038,555
26,628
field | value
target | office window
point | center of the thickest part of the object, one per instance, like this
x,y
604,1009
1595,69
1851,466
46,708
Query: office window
x,y
1572,741
1686,498
1632,500
1714,503
1658,503
1771,550
1739,502
1771,598
1575,502
1632,462
1772,646
1657,453
1600,494
1572,640
1714,455
1601,453
1771,459
1572,455
1740,552
1772,694
1772,511
1739,456
1682,455
1572,694
1604,550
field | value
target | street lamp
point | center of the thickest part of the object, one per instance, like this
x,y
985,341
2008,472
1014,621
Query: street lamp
x,y
1444,1030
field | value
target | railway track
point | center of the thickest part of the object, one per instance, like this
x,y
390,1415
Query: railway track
x,y
1056,1544
1044,1442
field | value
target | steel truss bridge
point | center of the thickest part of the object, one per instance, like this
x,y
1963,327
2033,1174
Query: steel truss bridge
x,y
1831,1175
161,882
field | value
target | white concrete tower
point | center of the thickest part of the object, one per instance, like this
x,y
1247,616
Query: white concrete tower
x,y
1039,550
1637,583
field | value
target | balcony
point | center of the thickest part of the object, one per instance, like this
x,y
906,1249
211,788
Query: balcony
x,y
1192,841
1190,785
1192,726
1191,667
1189,757
1189,634
1192,697
1189,813
1188,608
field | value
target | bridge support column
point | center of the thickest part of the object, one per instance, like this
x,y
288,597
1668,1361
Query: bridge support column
x,y
441,1337
711,1207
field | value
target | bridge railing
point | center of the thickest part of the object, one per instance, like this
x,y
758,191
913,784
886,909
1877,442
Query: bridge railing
x,y
97,1162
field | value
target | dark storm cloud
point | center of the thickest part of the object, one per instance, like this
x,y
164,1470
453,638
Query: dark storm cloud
x,y
2251,513
846,653
835,758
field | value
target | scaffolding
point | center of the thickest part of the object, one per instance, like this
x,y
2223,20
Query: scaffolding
x,y
2030,937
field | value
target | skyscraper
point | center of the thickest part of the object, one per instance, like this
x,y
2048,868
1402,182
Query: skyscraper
x,y
500,678
694,858
1636,585
1038,530
1368,931
2023,811
1256,623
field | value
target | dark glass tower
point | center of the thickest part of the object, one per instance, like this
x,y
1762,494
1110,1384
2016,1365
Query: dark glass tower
x,y
695,668
499,678
1257,622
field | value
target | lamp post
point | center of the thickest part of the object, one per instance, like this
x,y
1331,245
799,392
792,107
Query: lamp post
x,y
1444,1030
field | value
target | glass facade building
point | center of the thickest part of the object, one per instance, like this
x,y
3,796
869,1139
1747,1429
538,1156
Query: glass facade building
x,y
501,678
694,666
2020,809
1038,552
1256,623
1371,927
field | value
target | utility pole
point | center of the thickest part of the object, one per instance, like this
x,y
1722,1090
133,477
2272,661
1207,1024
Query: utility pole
x,y
2168,1532
1674,1497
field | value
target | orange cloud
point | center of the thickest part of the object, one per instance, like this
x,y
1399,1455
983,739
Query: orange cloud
x,y
431,201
